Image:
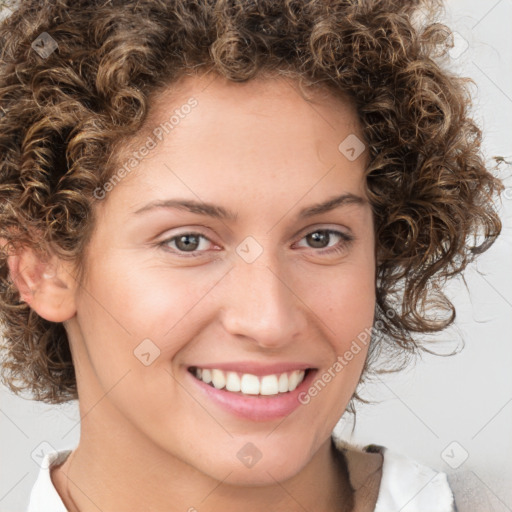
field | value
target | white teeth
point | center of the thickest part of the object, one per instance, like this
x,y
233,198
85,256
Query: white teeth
x,y
283,383
269,385
232,382
206,375
218,379
293,381
250,384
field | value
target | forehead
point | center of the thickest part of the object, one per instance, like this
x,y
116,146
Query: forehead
x,y
265,98
209,135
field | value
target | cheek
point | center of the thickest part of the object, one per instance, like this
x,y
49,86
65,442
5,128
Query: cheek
x,y
343,301
350,306
343,298
343,306
132,326
122,309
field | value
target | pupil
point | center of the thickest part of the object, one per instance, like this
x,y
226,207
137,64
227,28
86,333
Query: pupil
x,y
318,239
187,242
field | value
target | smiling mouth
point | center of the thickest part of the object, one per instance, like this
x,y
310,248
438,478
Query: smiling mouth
x,y
249,384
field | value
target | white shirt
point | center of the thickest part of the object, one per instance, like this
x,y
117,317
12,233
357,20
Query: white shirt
x,y
405,486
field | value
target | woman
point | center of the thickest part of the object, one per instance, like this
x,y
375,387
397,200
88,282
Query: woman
x,y
216,215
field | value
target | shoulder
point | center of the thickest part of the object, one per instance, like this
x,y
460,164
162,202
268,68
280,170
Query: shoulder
x,y
394,481
472,494
43,496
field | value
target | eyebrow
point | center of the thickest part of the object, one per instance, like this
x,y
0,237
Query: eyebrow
x,y
331,204
200,207
219,212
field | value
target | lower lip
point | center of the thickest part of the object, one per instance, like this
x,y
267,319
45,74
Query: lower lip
x,y
255,407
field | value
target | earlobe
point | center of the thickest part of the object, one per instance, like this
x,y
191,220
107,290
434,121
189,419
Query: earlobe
x,y
46,286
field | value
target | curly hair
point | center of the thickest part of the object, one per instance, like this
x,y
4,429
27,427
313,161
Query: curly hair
x,y
66,115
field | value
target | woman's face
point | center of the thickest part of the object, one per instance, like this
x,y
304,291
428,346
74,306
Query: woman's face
x,y
240,242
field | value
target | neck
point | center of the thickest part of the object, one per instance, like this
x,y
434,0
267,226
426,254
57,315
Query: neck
x,y
134,478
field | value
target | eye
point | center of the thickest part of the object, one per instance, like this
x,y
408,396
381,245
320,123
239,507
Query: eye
x,y
332,240
187,242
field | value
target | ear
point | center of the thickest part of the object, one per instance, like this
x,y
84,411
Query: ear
x,y
46,285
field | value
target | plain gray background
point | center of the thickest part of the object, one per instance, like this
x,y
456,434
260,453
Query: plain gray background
x,y
453,413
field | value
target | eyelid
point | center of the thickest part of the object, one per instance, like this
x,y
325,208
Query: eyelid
x,y
185,230
341,234
170,236
344,231
345,241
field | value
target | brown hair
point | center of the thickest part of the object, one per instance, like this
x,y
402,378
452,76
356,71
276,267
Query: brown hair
x,y
66,114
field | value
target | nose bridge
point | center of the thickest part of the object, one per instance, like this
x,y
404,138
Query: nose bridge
x,y
260,304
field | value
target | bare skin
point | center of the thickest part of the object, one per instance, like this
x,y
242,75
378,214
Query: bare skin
x,y
150,438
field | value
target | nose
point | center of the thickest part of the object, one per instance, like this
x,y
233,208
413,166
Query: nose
x,y
259,303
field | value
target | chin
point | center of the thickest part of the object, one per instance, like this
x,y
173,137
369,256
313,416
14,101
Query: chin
x,y
263,476
256,473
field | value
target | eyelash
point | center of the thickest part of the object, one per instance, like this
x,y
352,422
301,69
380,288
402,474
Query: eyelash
x,y
345,241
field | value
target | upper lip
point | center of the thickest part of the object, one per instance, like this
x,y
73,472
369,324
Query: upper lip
x,y
255,368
